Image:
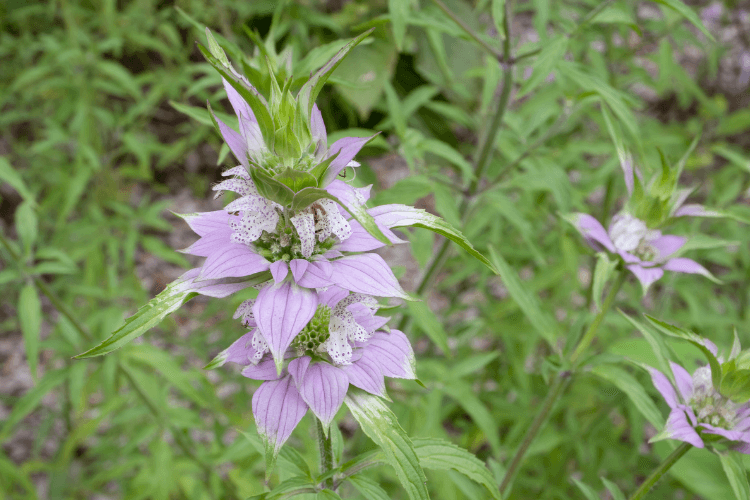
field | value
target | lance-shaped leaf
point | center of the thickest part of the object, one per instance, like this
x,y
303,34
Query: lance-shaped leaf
x,y
736,473
177,293
438,454
310,90
249,93
705,345
403,215
380,425
308,196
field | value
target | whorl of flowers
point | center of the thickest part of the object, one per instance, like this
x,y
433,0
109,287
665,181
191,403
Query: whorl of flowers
x,y
633,235
700,413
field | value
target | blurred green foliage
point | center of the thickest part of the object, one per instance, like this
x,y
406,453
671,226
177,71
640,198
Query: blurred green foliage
x,y
102,126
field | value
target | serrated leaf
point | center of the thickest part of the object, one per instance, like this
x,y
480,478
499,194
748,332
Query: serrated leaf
x,y
602,272
734,468
30,317
527,301
429,324
380,425
310,195
148,316
634,390
438,454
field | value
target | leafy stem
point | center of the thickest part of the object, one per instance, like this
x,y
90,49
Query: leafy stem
x,y
325,448
558,386
660,470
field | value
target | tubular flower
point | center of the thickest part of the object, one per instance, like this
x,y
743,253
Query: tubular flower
x,y
700,413
341,344
647,253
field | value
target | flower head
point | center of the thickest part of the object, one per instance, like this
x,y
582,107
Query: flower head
x,y
647,253
341,344
700,414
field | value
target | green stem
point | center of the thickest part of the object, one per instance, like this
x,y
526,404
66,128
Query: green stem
x,y
487,47
482,160
558,386
325,448
588,337
659,471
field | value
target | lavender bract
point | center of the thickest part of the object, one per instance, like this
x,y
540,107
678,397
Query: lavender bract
x,y
342,344
700,414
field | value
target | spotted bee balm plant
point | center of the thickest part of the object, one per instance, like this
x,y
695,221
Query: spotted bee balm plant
x,y
303,237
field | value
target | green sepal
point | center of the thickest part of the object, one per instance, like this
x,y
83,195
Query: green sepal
x,y
310,195
249,93
319,170
296,180
696,340
735,383
310,90
216,49
270,188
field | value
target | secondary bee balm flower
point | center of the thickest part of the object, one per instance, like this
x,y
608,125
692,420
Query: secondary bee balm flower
x,y
700,413
647,253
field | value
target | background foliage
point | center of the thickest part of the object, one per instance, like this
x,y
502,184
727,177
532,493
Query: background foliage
x,y
103,132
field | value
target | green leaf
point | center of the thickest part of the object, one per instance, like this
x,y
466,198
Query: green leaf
x,y
429,323
310,90
735,384
694,339
216,49
327,495
734,468
602,272
296,180
310,195
9,175
368,488
587,490
148,316
31,399
438,454
30,317
528,302
380,425
463,394
249,93
635,391
613,489
688,14
656,343
26,224
546,62
270,188
498,16
399,11
415,217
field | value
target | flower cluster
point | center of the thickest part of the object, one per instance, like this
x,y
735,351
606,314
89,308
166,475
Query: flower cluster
x,y
700,413
632,235
313,328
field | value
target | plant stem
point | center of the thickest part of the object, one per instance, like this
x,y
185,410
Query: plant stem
x,y
659,471
487,47
555,391
482,160
326,452
594,327
558,386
